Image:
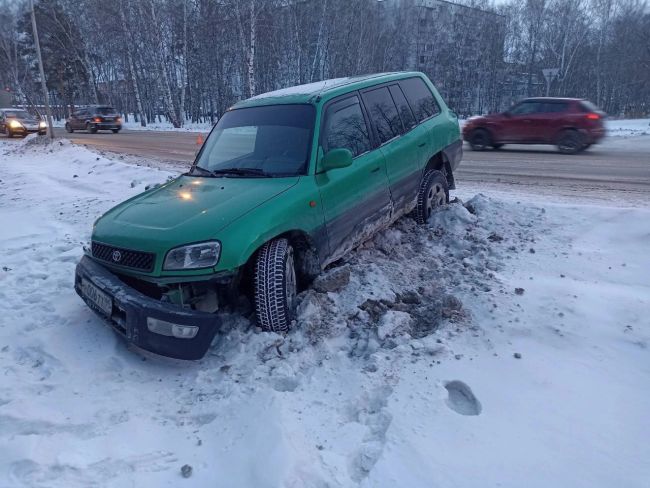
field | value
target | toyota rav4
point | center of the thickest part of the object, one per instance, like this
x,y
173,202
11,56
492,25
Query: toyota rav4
x,y
286,183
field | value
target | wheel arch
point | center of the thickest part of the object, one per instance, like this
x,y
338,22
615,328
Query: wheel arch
x,y
306,252
440,162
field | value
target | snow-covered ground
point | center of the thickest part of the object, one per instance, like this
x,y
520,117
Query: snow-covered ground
x,y
505,344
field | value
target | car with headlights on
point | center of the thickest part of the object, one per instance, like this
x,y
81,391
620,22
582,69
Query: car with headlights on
x,y
286,183
19,122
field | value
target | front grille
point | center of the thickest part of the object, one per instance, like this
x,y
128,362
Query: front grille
x,y
123,257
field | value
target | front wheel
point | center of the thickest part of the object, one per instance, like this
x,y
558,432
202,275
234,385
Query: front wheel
x,y
115,131
90,129
9,133
68,128
433,193
275,286
480,140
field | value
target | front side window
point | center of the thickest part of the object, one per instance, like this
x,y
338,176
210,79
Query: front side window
x,y
345,127
420,98
271,140
527,108
383,113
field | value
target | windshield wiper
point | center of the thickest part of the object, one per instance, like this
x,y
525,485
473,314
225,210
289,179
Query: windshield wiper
x,y
206,172
241,172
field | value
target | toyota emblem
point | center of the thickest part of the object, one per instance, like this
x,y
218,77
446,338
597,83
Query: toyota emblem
x,y
116,256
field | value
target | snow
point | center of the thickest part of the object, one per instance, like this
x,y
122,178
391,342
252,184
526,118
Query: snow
x,y
628,127
405,376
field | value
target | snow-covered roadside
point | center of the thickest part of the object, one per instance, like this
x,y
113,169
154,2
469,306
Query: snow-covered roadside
x,y
131,124
402,374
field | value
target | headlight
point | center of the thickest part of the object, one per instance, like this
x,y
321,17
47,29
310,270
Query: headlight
x,y
14,124
194,256
118,120
42,124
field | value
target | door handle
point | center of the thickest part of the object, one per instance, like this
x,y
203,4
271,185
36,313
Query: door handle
x,y
375,170
422,144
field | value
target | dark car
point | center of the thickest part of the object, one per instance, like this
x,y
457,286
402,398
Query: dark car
x,y
16,121
92,119
570,123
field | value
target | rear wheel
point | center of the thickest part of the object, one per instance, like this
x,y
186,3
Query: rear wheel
x,y
115,131
480,140
570,142
68,128
275,286
433,192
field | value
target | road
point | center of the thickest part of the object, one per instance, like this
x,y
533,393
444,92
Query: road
x,y
620,165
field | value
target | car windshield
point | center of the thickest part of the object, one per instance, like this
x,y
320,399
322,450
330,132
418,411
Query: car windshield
x,y
17,114
105,110
272,140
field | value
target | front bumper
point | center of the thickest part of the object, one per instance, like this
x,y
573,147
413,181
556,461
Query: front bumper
x,y
130,310
106,126
27,130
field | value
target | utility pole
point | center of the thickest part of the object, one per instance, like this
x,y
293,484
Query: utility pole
x,y
48,111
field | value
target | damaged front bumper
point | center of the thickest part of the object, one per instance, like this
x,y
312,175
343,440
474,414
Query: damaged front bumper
x,y
179,333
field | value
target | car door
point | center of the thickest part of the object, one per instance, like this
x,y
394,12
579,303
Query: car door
x,y
355,199
398,146
74,119
550,121
519,124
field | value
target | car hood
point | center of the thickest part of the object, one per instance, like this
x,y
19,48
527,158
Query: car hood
x,y
187,209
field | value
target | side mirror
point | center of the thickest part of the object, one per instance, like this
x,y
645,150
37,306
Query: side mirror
x,y
336,158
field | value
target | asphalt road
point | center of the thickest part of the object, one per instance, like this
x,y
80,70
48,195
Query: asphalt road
x,y
618,165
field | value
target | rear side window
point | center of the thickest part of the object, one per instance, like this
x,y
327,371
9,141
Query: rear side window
x,y
383,113
420,98
345,127
555,107
587,106
408,120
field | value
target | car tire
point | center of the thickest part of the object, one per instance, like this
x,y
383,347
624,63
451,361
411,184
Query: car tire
x,y
433,192
570,142
275,286
90,129
68,128
9,133
115,131
480,140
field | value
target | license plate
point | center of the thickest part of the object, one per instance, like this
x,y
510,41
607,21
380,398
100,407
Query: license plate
x,y
102,300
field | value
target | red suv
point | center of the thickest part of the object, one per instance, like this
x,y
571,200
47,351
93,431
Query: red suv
x,y
570,123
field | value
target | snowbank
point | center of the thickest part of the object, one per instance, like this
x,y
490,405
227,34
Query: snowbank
x,y
504,344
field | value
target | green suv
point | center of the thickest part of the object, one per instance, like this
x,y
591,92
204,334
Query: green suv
x,y
287,183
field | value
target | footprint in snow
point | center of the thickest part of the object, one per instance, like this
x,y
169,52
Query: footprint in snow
x,y
461,399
